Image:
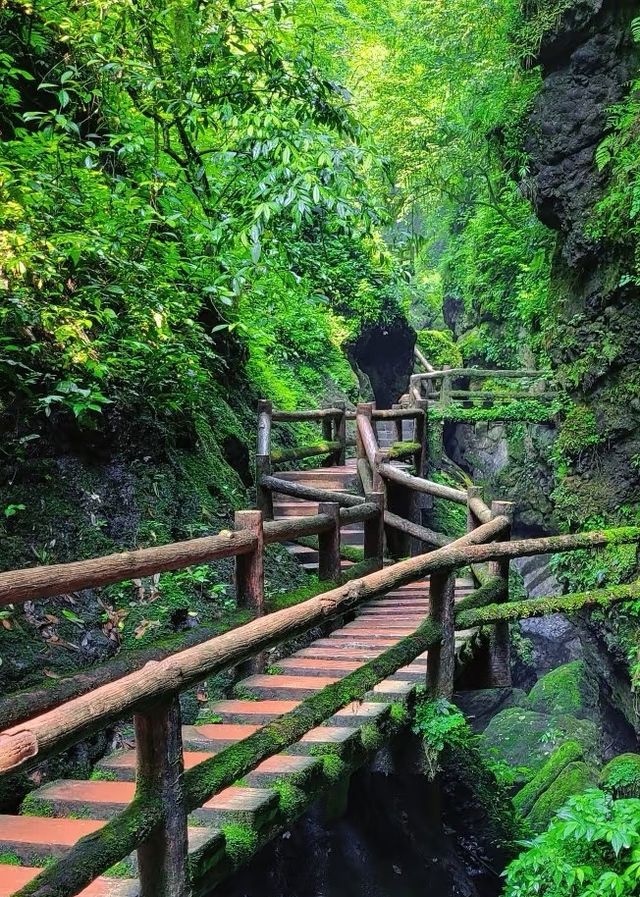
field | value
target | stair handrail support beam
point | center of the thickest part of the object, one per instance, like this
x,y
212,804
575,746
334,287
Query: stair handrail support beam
x,y
163,864
374,529
441,657
329,564
499,638
263,466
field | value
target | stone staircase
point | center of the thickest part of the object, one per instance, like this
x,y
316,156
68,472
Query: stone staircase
x,y
57,815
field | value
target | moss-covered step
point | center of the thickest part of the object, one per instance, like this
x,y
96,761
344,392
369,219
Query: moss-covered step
x,y
12,878
621,776
215,737
357,643
526,739
315,653
240,710
37,839
568,690
279,687
573,779
569,752
104,799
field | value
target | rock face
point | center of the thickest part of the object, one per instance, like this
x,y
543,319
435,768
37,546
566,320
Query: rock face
x,y
587,61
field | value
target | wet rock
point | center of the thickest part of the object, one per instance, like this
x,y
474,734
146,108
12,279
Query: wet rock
x,y
481,705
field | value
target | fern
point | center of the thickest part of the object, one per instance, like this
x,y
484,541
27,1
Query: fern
x,y
635,30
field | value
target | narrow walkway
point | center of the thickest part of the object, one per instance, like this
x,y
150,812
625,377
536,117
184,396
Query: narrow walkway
x,y
62,812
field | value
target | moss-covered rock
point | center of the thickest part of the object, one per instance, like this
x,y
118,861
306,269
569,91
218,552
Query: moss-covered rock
x,y
526,739
568,689
621,776
481,705
573,779
439,348
568,753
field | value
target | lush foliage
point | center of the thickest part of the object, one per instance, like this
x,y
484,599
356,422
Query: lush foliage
x,y
180,186
592,849
437,722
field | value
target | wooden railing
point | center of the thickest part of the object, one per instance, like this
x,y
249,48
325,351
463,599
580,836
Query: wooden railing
x,y
437,387
155,823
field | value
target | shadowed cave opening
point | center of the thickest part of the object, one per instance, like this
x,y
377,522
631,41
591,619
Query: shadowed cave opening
x,y
384,353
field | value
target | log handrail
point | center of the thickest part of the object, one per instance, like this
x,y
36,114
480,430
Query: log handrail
x,y
483,374
51,732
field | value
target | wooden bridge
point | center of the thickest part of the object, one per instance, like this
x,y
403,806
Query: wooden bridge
x,y
191,804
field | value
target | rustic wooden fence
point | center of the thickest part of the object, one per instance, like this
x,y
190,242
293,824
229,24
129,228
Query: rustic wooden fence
x,y
155,823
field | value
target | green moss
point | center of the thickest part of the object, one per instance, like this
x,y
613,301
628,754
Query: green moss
x,y
36,806
530,411
241,842
566,690
292,799
567,753
439,348
371,737
526,739
574,778
398,713
333,768
123,869
578,431
103,775
9,859
400,450
621,776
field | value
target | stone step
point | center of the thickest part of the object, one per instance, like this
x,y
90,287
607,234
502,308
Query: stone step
x,y
315,653
305,666
12,878
103,800
334,736
214,737
122,766
285,687
356,643
239,805
296,768
393,690
257,713
36,839
351,630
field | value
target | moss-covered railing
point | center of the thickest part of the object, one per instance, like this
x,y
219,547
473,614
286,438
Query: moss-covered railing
x,y
466,405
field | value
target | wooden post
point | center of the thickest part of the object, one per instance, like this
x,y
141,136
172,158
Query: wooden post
x,y
341,434
329,544
499,639
250,581
264,497
398,422
472,520
441,659
327,436
163,866
420,433
374,529
445,388
250,567
379,485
